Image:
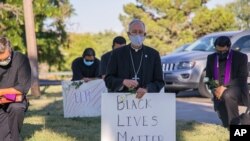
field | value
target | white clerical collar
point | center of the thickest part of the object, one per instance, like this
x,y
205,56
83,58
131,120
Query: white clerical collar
x,y
136,49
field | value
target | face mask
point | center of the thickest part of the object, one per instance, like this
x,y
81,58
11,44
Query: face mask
x,y
88,63
136,40
222,55
5,62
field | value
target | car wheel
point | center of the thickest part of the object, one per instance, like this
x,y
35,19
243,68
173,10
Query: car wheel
x,y
203,89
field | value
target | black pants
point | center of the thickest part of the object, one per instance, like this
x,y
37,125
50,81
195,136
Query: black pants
x,y
11,121
227,107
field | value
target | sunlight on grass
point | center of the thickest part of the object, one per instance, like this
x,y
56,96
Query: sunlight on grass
x,y
35,120
193,131
53,89
38,104
44,121
49,135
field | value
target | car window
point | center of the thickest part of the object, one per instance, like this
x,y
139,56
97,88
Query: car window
x,y
242,44
202,44
181,48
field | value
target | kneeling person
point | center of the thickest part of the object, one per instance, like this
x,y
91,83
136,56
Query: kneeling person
x,y
229,69
15,81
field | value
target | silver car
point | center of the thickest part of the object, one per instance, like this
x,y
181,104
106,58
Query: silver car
x,y
181,48
186,70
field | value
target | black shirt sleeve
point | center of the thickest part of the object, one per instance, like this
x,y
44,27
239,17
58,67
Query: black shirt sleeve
x,y
113,83
104,63
77,75
97,70
23,81
157,84
103,66
209,67
242,71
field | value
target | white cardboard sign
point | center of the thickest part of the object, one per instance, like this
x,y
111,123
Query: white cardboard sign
x,y
82,99
125,118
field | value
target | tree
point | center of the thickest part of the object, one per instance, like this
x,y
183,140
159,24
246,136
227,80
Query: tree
x,y
100,42
49,26
241,10
31,46
218,19
172,23
12,24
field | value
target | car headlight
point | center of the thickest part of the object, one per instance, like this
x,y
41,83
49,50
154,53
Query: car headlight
x,y
185,65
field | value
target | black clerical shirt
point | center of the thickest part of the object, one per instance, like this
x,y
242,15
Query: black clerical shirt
x,y
80,70
120,67
222,67
137,57
238,75
17,74
104,62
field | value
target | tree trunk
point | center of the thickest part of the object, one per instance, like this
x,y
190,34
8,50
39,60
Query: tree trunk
x,y
31,46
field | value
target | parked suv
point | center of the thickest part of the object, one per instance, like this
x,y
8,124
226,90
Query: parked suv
x,y
186,70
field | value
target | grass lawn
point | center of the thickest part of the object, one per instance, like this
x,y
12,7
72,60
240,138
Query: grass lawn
x,y
44,122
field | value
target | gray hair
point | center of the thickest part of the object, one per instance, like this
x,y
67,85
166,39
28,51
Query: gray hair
x,y
136,21
4,44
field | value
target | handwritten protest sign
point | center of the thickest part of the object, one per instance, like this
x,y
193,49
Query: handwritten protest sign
x,y
125,118
82,99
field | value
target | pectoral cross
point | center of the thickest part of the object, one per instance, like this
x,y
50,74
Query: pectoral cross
x,y
136,78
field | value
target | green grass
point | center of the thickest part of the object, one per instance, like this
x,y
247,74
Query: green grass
x,y
193,131
44,122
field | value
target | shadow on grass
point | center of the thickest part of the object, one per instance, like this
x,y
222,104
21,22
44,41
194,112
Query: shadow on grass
x,y
81,129
181,127
87,129
29,129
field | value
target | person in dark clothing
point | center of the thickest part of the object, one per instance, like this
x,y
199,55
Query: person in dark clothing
x,y
86,67
118,41
135,67
15,79
229,69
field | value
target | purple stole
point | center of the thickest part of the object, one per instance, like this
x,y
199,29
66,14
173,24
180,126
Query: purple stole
x,y
227,69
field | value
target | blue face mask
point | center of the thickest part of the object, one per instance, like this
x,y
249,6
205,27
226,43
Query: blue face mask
x,y
88,63
136,40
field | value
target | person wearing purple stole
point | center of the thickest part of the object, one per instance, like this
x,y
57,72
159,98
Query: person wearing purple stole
x,y
15,79
135,68
229,69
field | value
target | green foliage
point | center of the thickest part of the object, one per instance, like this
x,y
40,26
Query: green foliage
x,y
100,42
207,21
12,24
170,24
241,10
49,27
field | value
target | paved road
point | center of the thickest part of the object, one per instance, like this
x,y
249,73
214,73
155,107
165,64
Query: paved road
x,y
190,106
